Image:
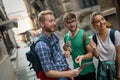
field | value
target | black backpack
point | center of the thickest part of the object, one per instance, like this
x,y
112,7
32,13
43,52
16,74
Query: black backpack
x,y
112,36
32,57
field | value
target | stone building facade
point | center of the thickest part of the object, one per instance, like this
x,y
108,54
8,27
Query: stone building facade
x,y
82,8
109,9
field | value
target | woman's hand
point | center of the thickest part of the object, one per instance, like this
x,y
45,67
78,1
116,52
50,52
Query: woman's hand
x,y
96,52
92,44
79,59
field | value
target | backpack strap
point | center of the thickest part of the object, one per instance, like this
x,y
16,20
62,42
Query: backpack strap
x,y
44,39
94,38
57,41
112,35
47,41
84,40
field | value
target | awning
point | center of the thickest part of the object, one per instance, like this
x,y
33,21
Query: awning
x,y
8,24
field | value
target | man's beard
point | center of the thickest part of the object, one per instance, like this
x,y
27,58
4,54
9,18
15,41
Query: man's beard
x,y
74,29
53,29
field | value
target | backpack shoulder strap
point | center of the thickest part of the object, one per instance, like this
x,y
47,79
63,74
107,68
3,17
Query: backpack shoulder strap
x,y
84,38
56,37
41,38
94,38
112,35
84,41
44,39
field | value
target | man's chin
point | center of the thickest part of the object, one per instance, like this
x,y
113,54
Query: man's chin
x,y
53,30
72,30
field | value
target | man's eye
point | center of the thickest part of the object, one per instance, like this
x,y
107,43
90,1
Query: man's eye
x,y
68,22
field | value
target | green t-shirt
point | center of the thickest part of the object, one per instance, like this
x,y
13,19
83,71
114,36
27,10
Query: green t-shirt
x,y
77,46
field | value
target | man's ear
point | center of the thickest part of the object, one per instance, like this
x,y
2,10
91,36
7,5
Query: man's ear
x,y
41,24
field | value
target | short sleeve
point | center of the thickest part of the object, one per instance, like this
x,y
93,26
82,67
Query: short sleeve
x,y
117,38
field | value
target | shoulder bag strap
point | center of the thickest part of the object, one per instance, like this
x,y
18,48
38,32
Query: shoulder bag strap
x,y
112,36
84,40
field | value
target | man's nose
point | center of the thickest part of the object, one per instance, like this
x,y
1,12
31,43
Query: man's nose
x,y
54,22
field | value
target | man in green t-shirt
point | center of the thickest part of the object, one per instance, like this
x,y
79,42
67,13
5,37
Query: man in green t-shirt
x,y
78,48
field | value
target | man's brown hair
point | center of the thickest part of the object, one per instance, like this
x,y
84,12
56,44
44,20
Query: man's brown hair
x,y
69,16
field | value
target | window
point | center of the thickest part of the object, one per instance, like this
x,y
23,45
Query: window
x,y
87,3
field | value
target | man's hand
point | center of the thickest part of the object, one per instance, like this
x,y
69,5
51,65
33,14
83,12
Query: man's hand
x,y
75,72
67,54
67,49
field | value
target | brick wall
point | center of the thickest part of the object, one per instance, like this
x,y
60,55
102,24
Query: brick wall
x,y
106,4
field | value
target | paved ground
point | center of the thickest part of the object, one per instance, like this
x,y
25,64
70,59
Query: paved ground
x,y
23,72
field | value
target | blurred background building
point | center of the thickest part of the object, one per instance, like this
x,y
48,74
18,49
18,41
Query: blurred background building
x,y
82,8
7,45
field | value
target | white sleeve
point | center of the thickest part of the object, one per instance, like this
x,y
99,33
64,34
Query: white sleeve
x,y
117,38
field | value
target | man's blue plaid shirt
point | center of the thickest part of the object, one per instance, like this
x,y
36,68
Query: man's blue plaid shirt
x,y
58,63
